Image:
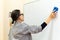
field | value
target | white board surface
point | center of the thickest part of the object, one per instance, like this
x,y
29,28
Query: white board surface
x,y
36,13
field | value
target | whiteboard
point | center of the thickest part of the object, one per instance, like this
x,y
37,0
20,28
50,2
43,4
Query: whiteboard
x,y
36,13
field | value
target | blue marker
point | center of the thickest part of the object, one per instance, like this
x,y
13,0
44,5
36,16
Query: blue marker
x,y
55,9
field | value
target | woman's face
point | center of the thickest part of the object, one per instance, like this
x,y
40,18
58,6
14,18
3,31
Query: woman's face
x,y
21,17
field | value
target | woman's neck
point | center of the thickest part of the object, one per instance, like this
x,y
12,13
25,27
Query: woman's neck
x,y
19,21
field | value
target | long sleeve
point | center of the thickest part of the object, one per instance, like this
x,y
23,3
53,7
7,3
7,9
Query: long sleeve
x,y
43,25
37,29
23,30
34,29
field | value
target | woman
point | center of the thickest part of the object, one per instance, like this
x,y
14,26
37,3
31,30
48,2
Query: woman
x,y
21,30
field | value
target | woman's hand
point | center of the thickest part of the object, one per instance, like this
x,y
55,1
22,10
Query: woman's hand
x,y
52,16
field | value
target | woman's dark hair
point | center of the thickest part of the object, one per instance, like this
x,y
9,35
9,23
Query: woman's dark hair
x,y
14,15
